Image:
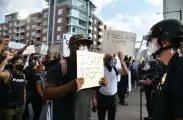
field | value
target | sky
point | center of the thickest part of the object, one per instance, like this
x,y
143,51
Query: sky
x,y
127,15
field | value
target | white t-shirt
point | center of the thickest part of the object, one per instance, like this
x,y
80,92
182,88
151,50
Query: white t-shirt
x,y
111,88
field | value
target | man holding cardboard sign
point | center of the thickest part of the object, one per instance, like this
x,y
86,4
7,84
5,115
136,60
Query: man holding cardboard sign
x,y
62,84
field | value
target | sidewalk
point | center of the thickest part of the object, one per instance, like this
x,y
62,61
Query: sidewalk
x,y
131,112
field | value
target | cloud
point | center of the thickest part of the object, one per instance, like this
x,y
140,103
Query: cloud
x,y
100,4
157,3
30,6
113,6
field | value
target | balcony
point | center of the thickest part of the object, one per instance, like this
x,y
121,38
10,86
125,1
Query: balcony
x,y
22,37
100,40
38,27
22,30
91,20
17,31
91,28
22,24
39,20
100,26
90,35
100,33
38,35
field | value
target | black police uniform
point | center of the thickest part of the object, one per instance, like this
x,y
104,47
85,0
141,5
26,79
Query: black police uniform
x,y
169,104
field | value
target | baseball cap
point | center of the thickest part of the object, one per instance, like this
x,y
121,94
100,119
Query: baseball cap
x,y
79,38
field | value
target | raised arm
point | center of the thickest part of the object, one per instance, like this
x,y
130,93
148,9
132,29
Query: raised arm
x,y
3,73
124,69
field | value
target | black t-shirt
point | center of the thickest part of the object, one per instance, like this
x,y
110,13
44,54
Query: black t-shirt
x,y
74,105
169,105
30,77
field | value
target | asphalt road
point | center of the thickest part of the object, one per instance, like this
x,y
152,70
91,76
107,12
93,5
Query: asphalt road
x,y
132,111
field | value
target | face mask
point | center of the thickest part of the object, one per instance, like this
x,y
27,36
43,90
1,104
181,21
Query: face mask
x,y
19,67
152,48
33,64
109,62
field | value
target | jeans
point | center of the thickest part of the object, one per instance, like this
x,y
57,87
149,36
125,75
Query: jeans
x,y
11,114
107,104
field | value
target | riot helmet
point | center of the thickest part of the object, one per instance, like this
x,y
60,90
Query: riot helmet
x,y
166,30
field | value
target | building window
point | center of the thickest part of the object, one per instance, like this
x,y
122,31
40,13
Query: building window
x,y
0,27
94,43
95,36
59,37
44,38
82,23
0,33
33,33
45,22
4,27
95,29
59,28
28,27
9,31
45,15
33,26
10,25
59,20
95,21
73,29
27,34
28,20
34,19
44,31
60,11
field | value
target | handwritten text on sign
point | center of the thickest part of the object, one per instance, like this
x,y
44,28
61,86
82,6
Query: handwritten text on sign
x,y
118,41
90,66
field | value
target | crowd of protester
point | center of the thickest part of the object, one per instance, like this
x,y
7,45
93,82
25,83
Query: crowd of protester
x,y
31,85
36,79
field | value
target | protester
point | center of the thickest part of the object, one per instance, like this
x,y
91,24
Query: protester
x,y
107,95
69,104
37,96
164,41
13,102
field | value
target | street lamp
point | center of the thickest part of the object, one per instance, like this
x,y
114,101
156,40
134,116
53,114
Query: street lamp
x,y
180,11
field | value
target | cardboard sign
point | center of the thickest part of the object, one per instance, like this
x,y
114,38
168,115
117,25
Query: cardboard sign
x,y
30,49
119,41
66,38
44,49
90,66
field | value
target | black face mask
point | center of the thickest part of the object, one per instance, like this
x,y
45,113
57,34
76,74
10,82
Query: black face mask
x,y
19,67
33,64
109,64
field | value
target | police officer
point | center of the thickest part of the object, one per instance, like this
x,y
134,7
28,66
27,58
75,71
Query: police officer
x,y
164,41
12,104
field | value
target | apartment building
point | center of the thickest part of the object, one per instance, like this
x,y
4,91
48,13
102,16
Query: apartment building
x,y
71,16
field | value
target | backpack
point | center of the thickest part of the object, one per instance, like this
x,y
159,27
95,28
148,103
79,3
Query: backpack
x,y
63,64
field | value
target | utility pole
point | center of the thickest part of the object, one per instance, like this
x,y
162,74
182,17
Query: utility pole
x,y
51,19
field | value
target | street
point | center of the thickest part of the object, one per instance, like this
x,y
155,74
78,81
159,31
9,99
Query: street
x,y
131,112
